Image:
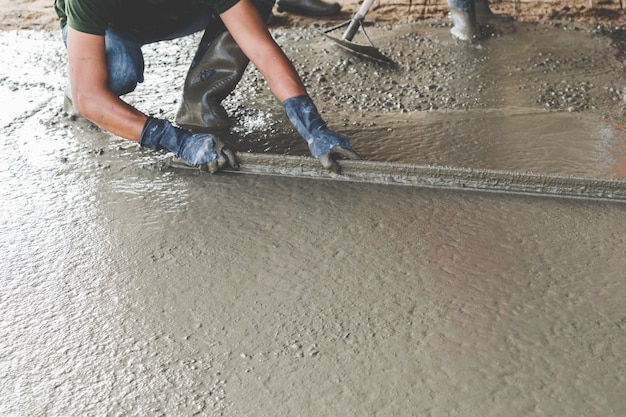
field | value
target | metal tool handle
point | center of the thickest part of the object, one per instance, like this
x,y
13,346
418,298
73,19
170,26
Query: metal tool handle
x,y
356,20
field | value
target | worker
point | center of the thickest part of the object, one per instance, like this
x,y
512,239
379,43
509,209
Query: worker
x,y
104,39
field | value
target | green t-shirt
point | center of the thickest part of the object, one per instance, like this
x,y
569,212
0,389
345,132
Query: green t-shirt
x,y
95,16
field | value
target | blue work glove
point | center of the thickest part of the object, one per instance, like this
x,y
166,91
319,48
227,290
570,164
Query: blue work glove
x,y
201,149
324,144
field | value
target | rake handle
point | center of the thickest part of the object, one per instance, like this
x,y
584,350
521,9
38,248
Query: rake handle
x,y
356,20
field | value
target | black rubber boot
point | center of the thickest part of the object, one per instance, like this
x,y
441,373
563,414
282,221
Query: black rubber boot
x,y
482,9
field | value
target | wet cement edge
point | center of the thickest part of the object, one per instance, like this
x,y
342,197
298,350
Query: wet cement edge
x,y
452,178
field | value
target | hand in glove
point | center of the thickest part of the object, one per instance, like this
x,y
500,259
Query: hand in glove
x,y
324,144
204,150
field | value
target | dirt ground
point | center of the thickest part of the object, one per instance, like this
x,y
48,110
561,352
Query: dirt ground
x,y
39,14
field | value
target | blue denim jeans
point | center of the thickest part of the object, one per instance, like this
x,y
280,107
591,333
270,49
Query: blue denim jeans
x,y
125,64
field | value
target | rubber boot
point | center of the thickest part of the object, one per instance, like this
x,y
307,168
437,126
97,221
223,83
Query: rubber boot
x,y
463,15
215,71
214,74
482,9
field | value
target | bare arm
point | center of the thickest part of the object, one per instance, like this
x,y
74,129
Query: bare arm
x,y
251,34
90,95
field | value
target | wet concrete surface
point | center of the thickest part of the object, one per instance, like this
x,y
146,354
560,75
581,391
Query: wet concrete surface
x,y
133,289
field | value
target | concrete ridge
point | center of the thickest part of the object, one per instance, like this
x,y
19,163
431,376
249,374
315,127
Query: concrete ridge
x,y
453,178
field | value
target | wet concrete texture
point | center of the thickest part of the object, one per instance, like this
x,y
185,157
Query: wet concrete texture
x,y
538,98
130,288
529,97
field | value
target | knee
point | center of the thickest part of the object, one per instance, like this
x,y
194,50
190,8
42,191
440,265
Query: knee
x,y
122,82
125,65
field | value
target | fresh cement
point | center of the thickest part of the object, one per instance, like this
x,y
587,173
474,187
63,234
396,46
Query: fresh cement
x,y
130,288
